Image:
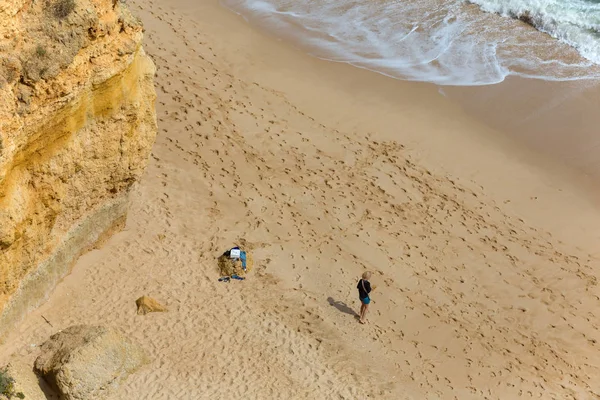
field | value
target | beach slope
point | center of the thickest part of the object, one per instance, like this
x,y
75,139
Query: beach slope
x,y
483,259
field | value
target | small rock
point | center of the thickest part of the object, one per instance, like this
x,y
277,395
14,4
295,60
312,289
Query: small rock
x,y
147,305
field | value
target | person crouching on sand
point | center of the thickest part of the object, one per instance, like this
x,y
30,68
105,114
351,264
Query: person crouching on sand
x,y
364,288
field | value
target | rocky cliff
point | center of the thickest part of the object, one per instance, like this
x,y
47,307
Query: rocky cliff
x,y
77,124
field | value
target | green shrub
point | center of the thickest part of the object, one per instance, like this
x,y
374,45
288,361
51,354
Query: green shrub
x,y
7,385
62,8
41,51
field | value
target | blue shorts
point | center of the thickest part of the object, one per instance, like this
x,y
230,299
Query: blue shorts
x,y
366,300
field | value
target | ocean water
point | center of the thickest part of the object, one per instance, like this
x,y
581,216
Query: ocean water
x,y
447,42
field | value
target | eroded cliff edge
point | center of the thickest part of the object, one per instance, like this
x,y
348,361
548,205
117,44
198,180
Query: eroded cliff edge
x,y
77,124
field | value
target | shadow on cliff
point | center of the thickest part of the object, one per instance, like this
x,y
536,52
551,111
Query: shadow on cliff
x,y
49,393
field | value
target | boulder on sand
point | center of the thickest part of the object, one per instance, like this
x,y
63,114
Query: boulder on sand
x,y
87,362
147,305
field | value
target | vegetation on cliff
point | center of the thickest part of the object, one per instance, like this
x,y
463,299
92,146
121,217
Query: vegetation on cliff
x,y
7,386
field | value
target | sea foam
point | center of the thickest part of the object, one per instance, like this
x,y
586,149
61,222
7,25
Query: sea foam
x,y
443,42
575,22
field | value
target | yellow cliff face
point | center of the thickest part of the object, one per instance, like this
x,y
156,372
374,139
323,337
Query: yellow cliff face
x,y
77,124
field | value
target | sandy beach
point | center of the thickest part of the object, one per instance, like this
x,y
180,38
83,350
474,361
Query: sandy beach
x,y
484,252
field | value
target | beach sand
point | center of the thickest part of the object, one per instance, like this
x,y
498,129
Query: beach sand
x,y
482,251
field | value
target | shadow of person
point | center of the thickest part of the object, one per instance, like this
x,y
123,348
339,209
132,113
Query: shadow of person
x,y
343,307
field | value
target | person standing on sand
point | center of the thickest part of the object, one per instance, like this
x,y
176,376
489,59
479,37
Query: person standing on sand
x,y
364,288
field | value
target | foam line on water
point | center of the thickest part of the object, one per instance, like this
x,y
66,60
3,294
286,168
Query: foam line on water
x,y
576,22
442,42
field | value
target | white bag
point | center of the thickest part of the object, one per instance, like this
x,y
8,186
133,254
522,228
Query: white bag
x,y
234,253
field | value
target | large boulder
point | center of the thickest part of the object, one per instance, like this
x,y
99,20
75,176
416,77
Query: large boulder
x,y
87,362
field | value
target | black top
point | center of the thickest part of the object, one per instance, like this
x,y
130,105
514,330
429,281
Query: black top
x,y
362,293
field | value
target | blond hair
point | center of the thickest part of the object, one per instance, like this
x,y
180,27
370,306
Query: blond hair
x,y
366,275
